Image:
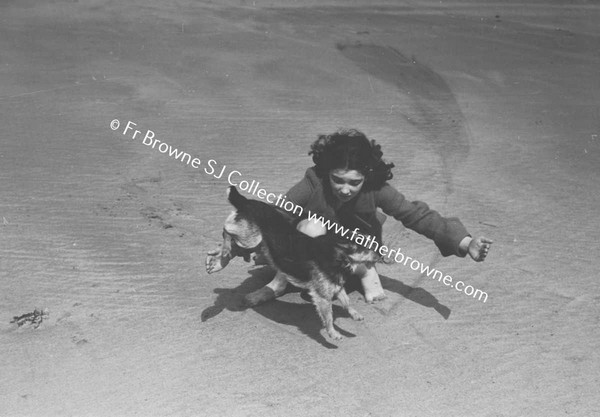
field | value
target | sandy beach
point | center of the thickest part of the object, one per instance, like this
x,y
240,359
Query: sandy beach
x,y
490,112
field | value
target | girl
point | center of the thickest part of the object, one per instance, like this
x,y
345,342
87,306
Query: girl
x,y
346,185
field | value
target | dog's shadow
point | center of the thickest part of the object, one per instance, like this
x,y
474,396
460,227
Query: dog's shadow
x,y
303,315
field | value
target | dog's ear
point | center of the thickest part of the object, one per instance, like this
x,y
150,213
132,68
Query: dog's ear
x,y
235,198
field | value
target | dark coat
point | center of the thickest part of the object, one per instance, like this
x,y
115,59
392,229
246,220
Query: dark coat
x,y
314,194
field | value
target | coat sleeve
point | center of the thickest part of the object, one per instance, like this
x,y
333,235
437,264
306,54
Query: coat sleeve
x,y
447,233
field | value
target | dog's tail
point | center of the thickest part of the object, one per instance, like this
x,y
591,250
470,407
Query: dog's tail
x,y
235,198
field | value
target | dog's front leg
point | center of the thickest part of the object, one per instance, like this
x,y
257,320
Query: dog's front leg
x,y
269,292
326,314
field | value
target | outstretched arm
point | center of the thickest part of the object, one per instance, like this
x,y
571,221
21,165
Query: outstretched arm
x,y
446,232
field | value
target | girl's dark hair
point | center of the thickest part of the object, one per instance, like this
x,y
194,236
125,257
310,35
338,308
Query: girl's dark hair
x,y
350,149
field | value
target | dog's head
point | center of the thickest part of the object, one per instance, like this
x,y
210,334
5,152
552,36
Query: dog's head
x,y
351,255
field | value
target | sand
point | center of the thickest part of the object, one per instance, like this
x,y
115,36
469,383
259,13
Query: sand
x,y
489,111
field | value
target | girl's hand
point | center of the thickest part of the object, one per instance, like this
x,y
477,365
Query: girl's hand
x,y
478,248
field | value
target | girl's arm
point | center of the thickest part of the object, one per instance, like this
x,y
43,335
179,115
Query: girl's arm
x,y
448,233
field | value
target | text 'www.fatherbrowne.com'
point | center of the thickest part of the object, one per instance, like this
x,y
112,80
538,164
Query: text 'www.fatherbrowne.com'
x,y
369,242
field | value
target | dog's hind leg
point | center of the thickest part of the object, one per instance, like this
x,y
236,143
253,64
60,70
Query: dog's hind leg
x,y
324,309
269,292
345,301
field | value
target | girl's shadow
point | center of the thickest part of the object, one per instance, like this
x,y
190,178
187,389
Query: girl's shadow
x,y
303,315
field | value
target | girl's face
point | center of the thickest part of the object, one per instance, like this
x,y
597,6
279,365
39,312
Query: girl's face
x,y
346,184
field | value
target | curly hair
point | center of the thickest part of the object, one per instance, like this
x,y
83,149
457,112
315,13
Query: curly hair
x,y
350,149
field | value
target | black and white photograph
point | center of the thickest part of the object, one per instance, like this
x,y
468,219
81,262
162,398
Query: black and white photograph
x,y
300,208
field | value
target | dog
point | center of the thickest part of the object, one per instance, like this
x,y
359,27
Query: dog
x,y
320,265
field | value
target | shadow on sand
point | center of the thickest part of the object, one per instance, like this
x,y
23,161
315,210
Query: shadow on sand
x,y
303,315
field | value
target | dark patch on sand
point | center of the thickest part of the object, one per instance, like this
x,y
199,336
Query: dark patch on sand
x,y
434,109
